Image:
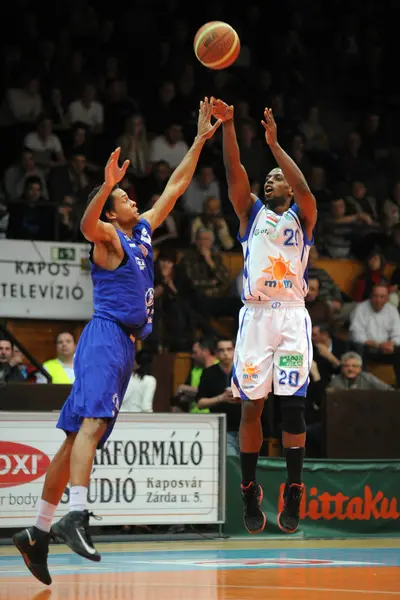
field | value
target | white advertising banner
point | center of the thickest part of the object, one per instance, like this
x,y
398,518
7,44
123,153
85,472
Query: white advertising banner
x,y
155,468
45,280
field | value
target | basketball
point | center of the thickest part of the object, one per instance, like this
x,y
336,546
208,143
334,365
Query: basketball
x,y
216,45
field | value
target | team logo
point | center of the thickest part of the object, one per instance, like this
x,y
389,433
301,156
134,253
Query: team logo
x,y
250,371
145,236
143,249
149,298
292,360
278,273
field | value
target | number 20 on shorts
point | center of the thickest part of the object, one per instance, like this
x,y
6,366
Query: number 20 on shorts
x,y
289,378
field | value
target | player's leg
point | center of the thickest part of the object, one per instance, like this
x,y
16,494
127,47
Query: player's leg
x,y
250,442
252,377
292,364
73,527
293,442
95,406
33,542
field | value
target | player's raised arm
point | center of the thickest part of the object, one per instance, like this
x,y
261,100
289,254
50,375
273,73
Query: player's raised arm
x,y
183,174
92,227
238,183
295,178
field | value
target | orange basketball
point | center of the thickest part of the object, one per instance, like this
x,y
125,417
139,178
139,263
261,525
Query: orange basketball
x,y
216,45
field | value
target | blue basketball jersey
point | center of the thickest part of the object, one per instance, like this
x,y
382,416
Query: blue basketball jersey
x,y
126,295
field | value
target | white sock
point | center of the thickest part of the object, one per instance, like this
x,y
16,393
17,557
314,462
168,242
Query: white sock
x,y
45,515
77,497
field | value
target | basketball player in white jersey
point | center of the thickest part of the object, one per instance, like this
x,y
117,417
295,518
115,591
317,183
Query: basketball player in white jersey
x,y
273,346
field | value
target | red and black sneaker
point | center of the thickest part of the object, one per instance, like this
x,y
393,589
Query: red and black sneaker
x,y
254,519
34,547
289,518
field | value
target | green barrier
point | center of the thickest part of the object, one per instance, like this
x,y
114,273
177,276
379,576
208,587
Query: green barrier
x,y
342,498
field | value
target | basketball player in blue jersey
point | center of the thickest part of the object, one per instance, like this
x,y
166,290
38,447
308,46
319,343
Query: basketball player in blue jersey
x,y
273,346
123,288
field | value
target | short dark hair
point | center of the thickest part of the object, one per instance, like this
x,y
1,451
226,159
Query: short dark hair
x,y
225,339
109,203
61,333
207,343
33,179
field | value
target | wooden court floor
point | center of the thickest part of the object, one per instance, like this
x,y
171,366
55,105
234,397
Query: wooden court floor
x,y
234,569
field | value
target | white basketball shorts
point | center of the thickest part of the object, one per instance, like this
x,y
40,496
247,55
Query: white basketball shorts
x,y
273,346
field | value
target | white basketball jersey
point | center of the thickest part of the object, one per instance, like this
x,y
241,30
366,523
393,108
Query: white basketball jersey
x,y
275,249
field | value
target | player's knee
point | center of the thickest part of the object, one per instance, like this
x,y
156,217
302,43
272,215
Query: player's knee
x,y
93,428
252,410
292,412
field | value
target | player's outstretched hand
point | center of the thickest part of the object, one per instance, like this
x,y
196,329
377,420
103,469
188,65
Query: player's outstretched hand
x,y
270,127
113,172
205,129
221,110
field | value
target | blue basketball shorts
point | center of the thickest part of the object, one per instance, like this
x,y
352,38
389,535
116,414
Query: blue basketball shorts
x,y
103,364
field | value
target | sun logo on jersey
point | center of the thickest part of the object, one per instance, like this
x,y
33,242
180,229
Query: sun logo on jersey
x,y
250,371
279,270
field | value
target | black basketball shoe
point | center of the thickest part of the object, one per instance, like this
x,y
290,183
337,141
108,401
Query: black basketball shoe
x,y
73,530
289,518
254,519
33,543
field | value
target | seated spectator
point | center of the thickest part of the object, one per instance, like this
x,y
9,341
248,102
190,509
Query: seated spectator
x,y
328,288
203,356
319,310
70,179
375,330
61,369
373,275
203,186
375,142
9,370
173,318
57,110
45,145
22,104
31,218
135,146
359,202
139,395
17,173
79,141
170,147
212,220
316,138
391,208
352,377
17,360
327,349
209,277
352,163
340,229
215,393
86,109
